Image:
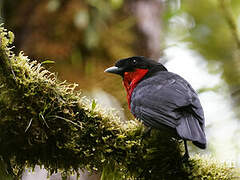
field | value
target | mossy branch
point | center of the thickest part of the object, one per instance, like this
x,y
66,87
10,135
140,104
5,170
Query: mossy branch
x,y
46,122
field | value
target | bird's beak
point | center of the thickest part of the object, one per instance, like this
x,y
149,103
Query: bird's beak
x,y
114,70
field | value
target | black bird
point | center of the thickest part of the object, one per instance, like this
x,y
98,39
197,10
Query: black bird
x,y
161,98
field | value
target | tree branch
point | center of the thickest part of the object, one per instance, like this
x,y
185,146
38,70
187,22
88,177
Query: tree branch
x,y
46,122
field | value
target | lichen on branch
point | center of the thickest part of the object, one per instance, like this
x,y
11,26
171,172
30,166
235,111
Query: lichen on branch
x,y
44,121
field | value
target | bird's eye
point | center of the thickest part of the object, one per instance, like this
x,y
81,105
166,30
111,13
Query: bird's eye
x,y
134,61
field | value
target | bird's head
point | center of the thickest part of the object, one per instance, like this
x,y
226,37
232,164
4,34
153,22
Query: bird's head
x,y
133,70
133,64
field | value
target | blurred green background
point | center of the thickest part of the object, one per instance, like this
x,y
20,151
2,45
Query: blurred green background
x,y
198,39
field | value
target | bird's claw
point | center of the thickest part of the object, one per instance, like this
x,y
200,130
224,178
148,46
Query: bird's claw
x,y
185,158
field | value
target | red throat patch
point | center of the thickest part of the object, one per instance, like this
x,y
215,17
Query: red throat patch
x,y
130,81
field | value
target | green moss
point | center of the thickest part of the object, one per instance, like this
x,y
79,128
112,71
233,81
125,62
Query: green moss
x,y
207,168
46,122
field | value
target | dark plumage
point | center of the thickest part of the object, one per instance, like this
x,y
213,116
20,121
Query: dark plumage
x,y
161,98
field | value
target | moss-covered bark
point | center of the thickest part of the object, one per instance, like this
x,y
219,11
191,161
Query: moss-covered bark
x,y
44,121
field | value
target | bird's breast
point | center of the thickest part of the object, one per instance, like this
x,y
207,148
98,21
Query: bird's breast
x,y
131,80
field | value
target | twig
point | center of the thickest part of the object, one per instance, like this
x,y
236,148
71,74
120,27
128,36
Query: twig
x,y
230,20
29,124
68,120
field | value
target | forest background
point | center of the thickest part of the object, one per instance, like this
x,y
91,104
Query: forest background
x,y
197,39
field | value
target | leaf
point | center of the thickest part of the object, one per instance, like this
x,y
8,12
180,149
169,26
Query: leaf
x,y
93,104
48,62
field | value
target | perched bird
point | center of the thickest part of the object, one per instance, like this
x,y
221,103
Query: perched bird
x,y
159,98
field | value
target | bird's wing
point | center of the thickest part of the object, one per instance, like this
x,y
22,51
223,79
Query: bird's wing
x,y
167,98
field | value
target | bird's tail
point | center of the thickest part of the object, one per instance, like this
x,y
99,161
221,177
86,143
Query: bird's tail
x,y
190,128
200,145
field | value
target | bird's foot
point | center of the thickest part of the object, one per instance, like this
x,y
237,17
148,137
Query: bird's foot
x,y
186,155
185,158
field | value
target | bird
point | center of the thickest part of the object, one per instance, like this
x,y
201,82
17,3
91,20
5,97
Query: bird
x,y
160,98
